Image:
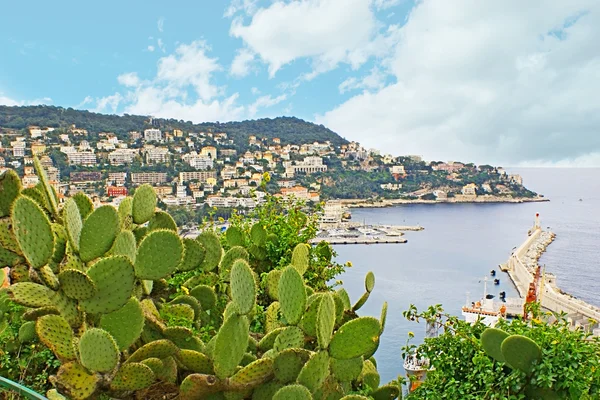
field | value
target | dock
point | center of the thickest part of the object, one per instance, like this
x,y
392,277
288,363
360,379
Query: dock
x,y
358,240
522,267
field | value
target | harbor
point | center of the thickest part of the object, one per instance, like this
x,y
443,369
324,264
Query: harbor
x,y
356,233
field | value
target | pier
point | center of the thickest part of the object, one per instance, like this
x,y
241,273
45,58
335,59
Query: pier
x,y
523,269
359,240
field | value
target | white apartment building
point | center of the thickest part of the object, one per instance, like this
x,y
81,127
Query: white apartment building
x,y
201,162
157,155
309,165
18,148
117,178
122,156
82,158
148,177
153,134
200,176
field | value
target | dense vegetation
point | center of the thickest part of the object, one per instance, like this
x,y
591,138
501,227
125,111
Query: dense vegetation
x,y
288,129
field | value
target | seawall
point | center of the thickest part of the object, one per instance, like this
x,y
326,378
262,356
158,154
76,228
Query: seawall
x,y
522,267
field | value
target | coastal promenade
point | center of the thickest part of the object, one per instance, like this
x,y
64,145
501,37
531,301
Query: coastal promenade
x,y
522,268
359,240
486,199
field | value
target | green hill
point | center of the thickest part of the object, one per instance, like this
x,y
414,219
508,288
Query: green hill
x,y
288,129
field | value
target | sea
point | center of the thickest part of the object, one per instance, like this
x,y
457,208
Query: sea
x,y
447,262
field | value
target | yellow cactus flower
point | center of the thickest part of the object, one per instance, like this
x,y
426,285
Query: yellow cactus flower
x,y
185,290
411,335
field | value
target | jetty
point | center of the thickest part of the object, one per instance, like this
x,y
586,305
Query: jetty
x,y
523,269
359,240
356,233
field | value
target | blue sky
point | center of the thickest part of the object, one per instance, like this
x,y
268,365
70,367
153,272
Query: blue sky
x,y
448,79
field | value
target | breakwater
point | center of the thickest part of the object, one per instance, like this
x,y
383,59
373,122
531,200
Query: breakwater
x,y
523,269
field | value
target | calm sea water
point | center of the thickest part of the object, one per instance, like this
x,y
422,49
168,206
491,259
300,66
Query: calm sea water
x,y
461,243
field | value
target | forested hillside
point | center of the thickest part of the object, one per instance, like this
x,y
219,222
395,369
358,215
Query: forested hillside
x,y
288,129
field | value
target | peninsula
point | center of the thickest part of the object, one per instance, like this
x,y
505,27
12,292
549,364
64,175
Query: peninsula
x,y
199,168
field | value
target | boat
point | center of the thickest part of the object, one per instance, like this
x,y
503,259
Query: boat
x,y
489,311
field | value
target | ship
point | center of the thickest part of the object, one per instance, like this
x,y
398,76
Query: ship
x,y
489,311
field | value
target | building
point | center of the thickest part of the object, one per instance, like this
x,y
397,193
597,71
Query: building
x,y
18,148
391,186
38,148
153,134
397,169
177,133
157,155
117,178
82,158
85,176
134,135
469,190
449,167
122,156
201,162
300,193
200,176
333,212
440,195
152,178
309,165
116,191
209,151
228,152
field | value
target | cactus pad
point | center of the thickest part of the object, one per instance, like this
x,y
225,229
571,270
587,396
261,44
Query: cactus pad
x,y
273,283
272,316
124,211
98,233
162,220
31,294
157,349
75,381
300,257
289,363
133,376
491,341
292,295
9,259
195,361
179,311
184,338
230,345
10,187
27,332
35,313
268,341
229,258
98,350
144,204
290,337
346,370
325,320
213,249
7,236
33,231
293,392
190,301
60,242
125,324
369,375
520,352
253,374
193,255
159,254
198,386
84,204
114,280
234,236
56,333
125,245
48,278
315,371
258,234
361,302
355,338
73,223
266,391
46,188
76,284
386,392
369,281
243,288
258,252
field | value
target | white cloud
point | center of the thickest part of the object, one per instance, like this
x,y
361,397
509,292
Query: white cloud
x,y
264,102
487,81
161,45
329,32
160,24
7,101
129,79
247,6
242,63
108,104
87,100
255,90
150,48
190,66
374,81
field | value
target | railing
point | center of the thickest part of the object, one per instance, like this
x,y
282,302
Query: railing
x,y
20,389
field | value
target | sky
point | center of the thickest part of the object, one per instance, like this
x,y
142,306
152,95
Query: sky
x,y
511,82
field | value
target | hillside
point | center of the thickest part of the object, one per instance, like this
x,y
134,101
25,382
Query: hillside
x,y
288,129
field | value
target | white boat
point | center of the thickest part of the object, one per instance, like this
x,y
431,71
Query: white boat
x,y
490,311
